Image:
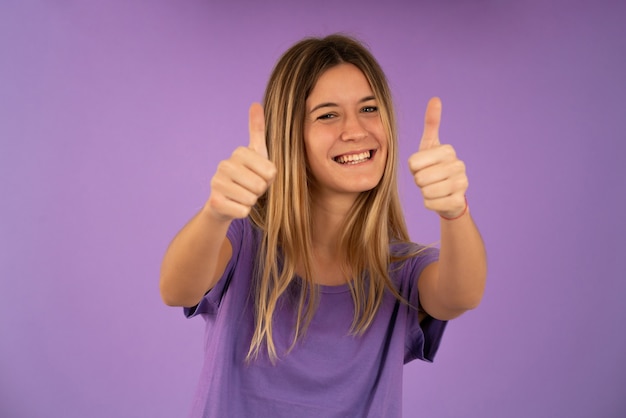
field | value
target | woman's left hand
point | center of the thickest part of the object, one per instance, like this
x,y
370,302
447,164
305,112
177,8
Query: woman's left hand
x,y
437,171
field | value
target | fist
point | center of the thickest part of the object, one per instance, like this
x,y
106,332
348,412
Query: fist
x,y
241,179
437,171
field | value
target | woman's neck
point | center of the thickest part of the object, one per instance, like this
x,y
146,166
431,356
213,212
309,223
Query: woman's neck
x,y
329,215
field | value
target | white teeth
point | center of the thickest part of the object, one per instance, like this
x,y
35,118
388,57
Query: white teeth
x,y
353,158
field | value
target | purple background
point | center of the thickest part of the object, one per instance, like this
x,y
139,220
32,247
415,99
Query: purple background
x,y
114,114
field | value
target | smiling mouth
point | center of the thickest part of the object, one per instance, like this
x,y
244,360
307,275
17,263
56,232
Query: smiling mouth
x,y
354,158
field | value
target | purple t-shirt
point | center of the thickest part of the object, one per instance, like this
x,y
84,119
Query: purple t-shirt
x,y
329,373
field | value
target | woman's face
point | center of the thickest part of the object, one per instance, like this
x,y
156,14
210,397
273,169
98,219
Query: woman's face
x,y
345,141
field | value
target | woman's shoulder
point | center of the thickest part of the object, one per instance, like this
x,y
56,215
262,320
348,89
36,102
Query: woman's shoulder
x,y
408,249
243,234
244,227
410,256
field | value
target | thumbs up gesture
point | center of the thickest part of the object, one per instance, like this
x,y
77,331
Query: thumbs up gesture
x,y
241,179
437,171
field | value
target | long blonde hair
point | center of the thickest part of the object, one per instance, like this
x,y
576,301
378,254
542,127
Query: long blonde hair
x,y
284,212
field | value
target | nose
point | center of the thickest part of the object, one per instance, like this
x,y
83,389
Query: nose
x,y
353,129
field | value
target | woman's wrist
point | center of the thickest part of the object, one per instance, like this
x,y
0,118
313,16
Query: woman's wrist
x,y
456,216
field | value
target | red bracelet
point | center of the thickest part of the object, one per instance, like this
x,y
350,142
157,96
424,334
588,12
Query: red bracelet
x,y
459,215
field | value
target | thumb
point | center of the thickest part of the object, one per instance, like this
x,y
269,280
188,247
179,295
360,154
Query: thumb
x,y
432,120
256,126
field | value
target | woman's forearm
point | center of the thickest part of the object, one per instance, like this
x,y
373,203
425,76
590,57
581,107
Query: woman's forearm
x,y
462,264
194,260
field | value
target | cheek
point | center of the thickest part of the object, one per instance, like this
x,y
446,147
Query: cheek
x,y
311,158
384,142
309,153
378,130
384,152
316,144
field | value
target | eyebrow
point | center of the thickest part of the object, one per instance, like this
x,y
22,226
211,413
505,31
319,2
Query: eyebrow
x,y
331,104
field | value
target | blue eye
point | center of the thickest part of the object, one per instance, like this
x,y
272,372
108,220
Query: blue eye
x,y
369,109
326,116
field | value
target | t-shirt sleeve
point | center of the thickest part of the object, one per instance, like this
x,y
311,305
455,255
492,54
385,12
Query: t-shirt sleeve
x,y
423,338
212,299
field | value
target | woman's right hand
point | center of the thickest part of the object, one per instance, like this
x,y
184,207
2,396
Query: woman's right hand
x,y
241,179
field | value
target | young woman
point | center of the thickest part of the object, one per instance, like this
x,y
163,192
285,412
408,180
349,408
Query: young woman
x,y
300,261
